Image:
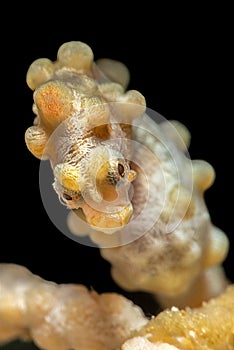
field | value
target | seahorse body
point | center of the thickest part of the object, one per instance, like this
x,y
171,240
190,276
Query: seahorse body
x,y
156,230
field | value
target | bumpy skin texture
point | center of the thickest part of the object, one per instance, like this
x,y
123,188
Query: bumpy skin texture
x,y
210,327
161,239
62,316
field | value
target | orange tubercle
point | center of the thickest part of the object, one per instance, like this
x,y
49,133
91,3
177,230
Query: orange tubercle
x,y
54,101
108,220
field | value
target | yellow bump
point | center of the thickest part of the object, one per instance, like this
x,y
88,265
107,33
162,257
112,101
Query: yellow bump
x,y
39,72
181,198
114,70
75,54
67,175
129,106
203,174
36,139
107,220
218,247
182,131
111,91
54,101
179,203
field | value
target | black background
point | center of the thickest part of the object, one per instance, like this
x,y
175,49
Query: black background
x,y
179,59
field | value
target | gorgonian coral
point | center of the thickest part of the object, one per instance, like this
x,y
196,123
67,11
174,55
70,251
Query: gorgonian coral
x,y
126,176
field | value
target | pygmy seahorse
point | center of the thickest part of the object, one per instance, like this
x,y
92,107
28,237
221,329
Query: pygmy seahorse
x,y
127,178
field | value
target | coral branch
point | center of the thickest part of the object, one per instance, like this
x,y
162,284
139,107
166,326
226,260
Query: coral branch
x,y
210,327
71,317
62,316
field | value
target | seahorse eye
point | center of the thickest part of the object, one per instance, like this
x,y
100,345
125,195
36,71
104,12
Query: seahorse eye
x,y
121,169
67,197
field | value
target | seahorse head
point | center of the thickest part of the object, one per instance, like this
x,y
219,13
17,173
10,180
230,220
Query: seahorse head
x,y
100,184
83,116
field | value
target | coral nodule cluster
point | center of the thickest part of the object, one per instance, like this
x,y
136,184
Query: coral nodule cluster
x,y
126,176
